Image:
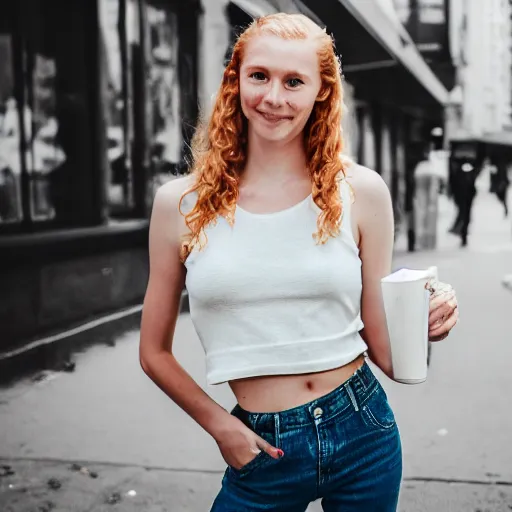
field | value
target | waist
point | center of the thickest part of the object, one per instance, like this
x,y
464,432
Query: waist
x,y
282,392
352,393
258,351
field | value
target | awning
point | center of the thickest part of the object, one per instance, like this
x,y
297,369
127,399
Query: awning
x,y
369,39
255,8
497,145
398,43
497,139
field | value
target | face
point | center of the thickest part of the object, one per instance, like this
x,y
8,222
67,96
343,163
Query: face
x,y
279,83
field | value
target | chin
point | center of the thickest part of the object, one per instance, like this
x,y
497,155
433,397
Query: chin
x,y
277,134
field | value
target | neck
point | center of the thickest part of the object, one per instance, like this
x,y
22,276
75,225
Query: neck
x,y
275,162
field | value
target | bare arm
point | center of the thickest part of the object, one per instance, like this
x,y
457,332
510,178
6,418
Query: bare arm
x,y
160,312
238,444
373,212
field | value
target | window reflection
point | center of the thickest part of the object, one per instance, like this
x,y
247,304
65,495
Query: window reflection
x,y
117,25
10,136
166,138
45,152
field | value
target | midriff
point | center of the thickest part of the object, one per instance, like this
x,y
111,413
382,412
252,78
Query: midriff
x,y
277,393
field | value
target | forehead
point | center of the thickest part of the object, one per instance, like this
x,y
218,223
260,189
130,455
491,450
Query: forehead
x,y
273,52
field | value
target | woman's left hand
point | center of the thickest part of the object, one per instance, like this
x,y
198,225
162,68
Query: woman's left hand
x,y
443,312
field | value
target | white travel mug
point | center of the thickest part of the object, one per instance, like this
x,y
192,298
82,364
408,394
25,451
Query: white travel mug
x,y
406,302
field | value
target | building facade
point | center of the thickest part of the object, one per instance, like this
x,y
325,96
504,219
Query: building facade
x,y
98,103
479,121
481,38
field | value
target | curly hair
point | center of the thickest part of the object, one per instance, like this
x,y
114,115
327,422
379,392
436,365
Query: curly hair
x,y
219,146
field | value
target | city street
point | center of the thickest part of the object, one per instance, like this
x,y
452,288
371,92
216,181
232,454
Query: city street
x,y
133,449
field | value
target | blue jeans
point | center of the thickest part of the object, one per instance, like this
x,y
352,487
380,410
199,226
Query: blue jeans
x,y
343,447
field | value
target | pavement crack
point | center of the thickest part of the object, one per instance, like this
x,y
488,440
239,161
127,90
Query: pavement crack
x,y
458,481
146,467
90,463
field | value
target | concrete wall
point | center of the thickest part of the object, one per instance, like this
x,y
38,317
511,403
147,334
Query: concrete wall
x,y
42,297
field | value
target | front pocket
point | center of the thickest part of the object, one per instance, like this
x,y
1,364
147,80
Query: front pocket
x,y
262,459
253,464
377,412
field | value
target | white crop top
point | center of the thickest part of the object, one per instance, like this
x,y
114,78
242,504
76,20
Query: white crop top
x,y
265,299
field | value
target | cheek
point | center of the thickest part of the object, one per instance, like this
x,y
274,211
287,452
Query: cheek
x,y
304,105
250,97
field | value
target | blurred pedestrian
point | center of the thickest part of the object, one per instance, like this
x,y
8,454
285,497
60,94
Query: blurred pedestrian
x,y
464,192
283,270
500,181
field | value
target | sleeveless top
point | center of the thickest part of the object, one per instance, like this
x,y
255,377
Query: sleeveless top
x,y
265,299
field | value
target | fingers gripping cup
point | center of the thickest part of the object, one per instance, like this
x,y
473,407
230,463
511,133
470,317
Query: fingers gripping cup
x,y
406,296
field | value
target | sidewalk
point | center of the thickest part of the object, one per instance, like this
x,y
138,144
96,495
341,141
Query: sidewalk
x,y
142,453
46,486
489,230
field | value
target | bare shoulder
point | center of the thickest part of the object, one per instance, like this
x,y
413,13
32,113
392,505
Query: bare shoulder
x,y
368,185
167,216
372,198
168,196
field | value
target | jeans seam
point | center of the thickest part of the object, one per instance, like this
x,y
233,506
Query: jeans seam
x,y
359,377
375,422
370,394
277,431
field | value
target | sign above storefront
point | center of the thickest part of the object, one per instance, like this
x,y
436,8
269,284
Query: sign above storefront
x,y
427,21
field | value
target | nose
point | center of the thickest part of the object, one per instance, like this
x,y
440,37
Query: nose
x,y
273,97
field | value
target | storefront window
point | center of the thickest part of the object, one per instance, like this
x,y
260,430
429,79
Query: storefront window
x,y
10,136
47,153
164,123
119,24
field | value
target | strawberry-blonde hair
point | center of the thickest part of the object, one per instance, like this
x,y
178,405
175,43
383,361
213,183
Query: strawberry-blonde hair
x,y
219,146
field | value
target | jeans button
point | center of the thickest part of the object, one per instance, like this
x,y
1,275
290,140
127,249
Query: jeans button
x,y
317,412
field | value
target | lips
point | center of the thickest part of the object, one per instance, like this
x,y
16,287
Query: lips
x,y
272,118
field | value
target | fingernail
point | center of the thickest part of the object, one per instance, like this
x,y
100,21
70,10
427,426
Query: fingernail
x,y
280,453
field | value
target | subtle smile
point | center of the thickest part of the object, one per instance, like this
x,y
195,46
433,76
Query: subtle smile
x,y
272,118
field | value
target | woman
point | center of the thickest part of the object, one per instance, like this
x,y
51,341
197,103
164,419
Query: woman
x,y
283,275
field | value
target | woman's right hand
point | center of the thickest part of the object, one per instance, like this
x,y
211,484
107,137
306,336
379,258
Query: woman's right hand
x,y
239,445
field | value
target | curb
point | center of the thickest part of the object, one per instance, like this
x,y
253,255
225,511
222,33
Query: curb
x,y
56,350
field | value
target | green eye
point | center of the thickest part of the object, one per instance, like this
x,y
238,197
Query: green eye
x,y
295,82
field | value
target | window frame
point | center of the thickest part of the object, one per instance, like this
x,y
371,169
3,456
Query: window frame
x,y
136,86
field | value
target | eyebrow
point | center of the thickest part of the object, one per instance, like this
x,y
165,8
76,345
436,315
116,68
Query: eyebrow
x,y
295,73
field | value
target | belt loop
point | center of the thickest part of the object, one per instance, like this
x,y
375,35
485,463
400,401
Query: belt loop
x,y
361,378
352,396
